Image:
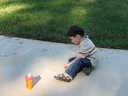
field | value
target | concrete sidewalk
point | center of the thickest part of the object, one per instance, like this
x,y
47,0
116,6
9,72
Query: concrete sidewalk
x,y
21,56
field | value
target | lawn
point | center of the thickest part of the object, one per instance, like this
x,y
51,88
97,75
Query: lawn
x,y
106,21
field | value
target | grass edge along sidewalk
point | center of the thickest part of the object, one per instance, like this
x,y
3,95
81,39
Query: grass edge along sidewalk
x,y
105,21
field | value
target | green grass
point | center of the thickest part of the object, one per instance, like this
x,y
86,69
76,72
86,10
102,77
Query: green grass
x,y
106,21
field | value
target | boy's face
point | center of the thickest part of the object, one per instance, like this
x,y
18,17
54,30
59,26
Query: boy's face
x,y
76,39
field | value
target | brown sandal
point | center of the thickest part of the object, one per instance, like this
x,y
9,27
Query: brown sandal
x,y
62,77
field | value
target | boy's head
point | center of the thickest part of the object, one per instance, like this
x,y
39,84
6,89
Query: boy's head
x,y
75,34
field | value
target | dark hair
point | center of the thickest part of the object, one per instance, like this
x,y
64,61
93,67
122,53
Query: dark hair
x,y
75,30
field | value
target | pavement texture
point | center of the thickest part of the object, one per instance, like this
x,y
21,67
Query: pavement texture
x,y
19,57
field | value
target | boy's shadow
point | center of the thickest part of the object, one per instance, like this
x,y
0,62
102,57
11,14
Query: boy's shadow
x,y
36,80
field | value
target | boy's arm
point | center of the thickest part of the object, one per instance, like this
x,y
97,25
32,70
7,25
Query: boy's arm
x,y
86,48
83,54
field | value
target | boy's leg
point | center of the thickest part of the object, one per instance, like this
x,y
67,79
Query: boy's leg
x,y
63,76
78,66
73,69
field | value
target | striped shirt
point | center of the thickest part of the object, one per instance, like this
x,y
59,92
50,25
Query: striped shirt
x,y
87,49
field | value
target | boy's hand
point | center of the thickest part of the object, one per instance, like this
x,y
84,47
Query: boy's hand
x,y
66,65
77,56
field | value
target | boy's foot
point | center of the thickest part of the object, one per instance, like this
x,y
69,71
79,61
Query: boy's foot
x,y
63,77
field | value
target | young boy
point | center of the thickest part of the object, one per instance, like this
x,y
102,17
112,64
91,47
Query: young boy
x,y
84,59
